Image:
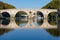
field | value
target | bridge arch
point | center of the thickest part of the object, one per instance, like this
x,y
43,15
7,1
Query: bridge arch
x,y
5,14
21,18
21,13
40,17
45,23
52,20
5,18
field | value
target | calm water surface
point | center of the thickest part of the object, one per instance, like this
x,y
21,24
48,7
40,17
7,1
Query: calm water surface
x,y
28,34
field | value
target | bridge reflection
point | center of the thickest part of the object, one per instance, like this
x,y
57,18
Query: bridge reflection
x,y
42,18
26,23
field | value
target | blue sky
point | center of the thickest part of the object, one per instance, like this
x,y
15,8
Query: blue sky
x,y
27,3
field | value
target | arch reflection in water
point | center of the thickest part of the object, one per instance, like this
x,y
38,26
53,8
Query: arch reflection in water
x,y
52,18
39,18
21,18
5,18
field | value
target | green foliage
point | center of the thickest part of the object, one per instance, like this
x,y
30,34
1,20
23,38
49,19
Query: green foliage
x,y
54,4
6,6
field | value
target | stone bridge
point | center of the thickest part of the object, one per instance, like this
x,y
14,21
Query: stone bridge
x,y
30,14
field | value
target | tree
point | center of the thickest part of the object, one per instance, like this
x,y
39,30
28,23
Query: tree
x,y
6,6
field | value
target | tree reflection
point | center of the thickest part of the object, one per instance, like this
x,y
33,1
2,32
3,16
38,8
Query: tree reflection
x,y
4,30
54,32
39,22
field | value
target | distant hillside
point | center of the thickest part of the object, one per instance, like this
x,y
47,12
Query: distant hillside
x,y
5,6
54,4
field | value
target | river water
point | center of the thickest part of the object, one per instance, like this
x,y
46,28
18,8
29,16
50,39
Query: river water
x,y
28,33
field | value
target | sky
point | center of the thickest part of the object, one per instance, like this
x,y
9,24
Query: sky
x,y
27,3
